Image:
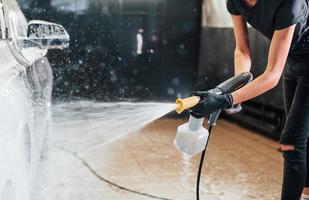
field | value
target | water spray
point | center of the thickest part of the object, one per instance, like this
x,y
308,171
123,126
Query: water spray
x,y
192,138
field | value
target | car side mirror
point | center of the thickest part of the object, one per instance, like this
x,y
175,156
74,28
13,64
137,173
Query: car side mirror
x,y
45,35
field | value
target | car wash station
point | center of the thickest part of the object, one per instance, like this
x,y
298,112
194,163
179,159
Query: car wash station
x,y
154,99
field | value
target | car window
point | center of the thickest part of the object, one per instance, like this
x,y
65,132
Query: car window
x,y
15,19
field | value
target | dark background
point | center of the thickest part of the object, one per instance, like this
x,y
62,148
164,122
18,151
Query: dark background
x,y
101,62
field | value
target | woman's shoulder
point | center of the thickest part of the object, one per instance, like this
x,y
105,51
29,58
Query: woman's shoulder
x,y
233,6
295,6
235,2
291,2
290,12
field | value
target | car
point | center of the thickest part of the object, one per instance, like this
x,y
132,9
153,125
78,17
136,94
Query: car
x,y
25,97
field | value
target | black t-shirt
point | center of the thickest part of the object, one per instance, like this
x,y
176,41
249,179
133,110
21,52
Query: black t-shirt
x,y
270,15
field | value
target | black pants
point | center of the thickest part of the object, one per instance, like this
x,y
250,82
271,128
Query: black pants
x,y
296,131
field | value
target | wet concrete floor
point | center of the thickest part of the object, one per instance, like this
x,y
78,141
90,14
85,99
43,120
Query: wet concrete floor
x,y
239,165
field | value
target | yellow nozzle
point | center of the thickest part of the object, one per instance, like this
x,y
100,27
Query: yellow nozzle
x,y
187,103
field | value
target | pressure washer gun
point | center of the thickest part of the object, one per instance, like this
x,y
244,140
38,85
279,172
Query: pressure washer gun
x,y
192,137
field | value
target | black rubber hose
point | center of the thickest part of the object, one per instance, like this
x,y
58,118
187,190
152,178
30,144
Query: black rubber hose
x,y
201,166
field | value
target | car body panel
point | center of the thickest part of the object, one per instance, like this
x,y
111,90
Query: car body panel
x,y
25,87
7,59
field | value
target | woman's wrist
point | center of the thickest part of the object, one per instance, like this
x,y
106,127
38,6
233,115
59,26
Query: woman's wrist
x,y
235,98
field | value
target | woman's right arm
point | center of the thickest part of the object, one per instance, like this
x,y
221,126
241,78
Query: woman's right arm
x,y
242,56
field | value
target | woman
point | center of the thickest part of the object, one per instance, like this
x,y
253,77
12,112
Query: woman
x,y
285,23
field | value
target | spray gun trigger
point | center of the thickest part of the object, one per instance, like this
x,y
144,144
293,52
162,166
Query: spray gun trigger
x,y
214,117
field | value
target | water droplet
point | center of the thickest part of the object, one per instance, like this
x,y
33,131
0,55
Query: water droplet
x,y
175,81
170,91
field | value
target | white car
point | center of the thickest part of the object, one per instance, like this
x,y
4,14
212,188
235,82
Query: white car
x,y
25,97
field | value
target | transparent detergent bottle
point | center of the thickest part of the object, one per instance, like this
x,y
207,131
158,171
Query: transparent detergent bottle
x,y
191,137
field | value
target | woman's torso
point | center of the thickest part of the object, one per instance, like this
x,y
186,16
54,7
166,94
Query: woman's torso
x,y
267,16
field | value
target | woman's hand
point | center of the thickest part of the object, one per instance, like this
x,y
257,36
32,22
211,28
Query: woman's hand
x,y
210,102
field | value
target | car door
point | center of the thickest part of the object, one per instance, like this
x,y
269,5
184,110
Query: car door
x,y
2,26
7,60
